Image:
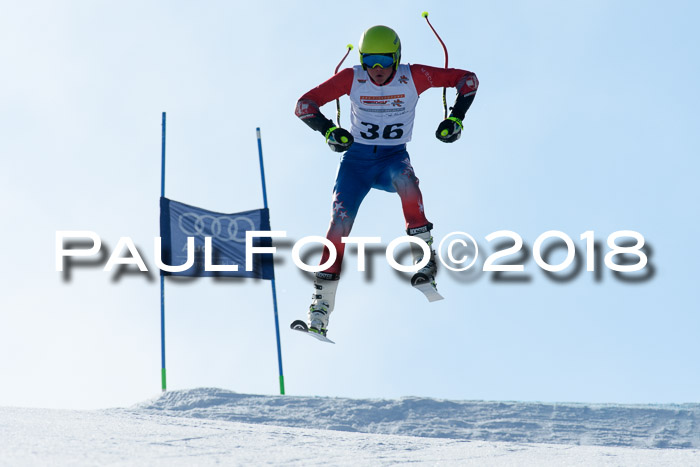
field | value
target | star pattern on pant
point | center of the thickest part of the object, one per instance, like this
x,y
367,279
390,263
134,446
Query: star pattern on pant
x,y
338,209
408,170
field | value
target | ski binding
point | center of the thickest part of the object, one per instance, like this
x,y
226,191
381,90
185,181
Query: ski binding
x,y
301,326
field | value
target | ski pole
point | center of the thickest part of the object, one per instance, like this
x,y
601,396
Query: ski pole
x,y
444,90
337,101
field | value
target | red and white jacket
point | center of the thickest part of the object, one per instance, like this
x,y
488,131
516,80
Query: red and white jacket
x,y
383,115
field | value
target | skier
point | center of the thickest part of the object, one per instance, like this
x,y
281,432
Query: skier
x,y
383,97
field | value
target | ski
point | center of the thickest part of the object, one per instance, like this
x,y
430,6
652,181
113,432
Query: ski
x,y
427,287
301,326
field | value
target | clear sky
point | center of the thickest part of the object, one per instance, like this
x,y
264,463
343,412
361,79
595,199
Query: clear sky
x,y
586,119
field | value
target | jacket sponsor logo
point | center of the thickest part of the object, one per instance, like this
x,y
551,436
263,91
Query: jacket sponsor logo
x,y
428,76
382,100
305,110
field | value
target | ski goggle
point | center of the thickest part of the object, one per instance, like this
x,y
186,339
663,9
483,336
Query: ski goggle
x,y
377,60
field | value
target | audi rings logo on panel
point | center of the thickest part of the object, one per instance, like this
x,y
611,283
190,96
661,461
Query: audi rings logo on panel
x,y
223,228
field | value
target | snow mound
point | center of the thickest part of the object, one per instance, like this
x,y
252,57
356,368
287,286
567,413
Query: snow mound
x,y
642,426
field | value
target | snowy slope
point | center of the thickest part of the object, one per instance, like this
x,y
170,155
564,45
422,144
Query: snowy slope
x,y
211,426
649,426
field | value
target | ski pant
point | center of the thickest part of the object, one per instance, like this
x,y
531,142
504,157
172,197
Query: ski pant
x,y
362,168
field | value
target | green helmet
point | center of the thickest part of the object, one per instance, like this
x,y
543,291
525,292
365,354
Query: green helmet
x,y
380,40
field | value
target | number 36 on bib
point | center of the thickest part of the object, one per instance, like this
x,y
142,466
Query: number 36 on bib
x,y
374,131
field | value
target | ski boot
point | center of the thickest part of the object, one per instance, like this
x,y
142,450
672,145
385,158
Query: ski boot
x,y
426,273
424,278
323,301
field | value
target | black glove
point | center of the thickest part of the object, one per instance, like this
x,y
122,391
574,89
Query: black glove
x,y
339,139
449,130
